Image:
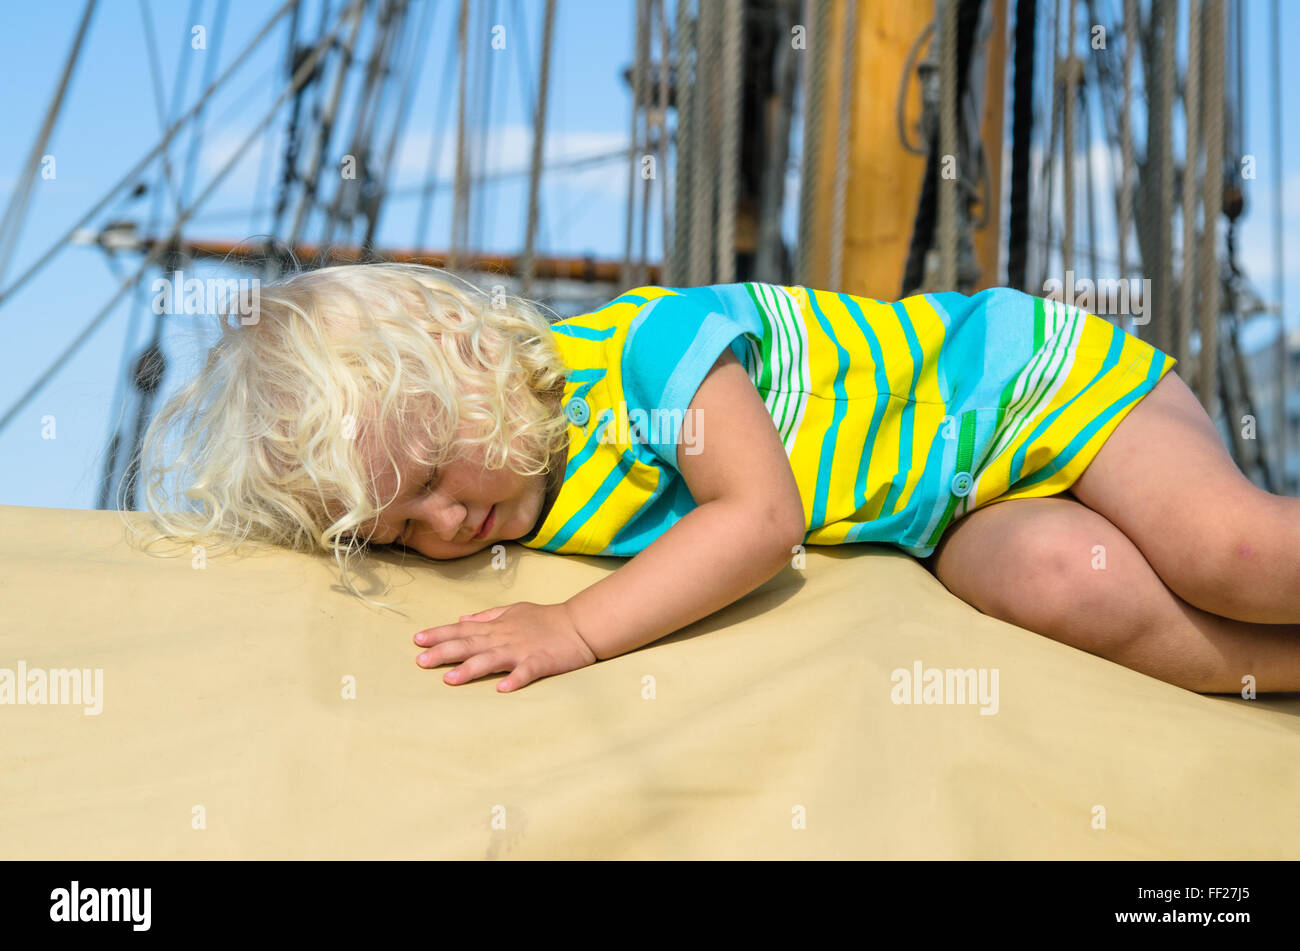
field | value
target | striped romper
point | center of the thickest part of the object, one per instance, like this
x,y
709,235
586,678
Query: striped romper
x,y
897,417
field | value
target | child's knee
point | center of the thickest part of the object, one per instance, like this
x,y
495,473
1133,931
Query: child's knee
x,y
1077,578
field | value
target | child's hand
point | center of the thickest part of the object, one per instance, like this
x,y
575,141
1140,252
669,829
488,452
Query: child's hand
x,y
529,640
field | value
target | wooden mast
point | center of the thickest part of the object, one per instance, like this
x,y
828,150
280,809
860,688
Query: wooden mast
x,y
885,179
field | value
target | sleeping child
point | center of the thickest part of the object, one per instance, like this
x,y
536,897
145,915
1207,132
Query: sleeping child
x,y
1044,464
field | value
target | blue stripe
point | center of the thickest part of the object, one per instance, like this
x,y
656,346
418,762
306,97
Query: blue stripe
x,y
827,454
592,377
882,400
1081,440
906,421
584,333
637,299
603,492
1062,459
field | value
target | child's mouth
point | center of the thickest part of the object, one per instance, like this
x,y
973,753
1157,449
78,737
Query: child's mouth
x,y
487,524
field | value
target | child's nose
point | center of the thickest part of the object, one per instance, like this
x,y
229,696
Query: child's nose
x,y
445,516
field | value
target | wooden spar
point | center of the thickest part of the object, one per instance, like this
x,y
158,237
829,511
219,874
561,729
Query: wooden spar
x,y
885,179
588,269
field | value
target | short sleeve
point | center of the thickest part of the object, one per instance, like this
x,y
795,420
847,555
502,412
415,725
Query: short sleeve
x,y
671,345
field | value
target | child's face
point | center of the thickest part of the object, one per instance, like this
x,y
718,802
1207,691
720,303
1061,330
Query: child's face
x,y
463,509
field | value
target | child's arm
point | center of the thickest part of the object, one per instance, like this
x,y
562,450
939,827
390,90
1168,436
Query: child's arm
x,y
748,518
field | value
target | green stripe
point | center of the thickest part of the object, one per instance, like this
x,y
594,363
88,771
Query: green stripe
x,y
797,393
1036,396
765,376
965,450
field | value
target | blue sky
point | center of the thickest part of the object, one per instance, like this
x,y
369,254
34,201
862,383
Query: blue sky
x,y
110,119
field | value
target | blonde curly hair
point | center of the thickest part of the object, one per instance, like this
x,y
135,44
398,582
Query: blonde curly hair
x,y
273,432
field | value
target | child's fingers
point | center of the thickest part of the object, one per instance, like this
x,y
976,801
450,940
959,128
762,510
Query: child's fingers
x,y
432,635
449,652
487,614
487,662
523,674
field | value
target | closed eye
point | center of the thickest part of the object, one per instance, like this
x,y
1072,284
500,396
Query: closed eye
x,y
427,487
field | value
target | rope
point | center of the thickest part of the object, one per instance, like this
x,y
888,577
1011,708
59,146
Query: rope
x,y
1191,109
1213,203
643,54
814,83
634,144
436,142
948,146
1089,191
1281,434
156,82
702,174
1161,331
12,222
1049,166
904,83
134,172
1126,135
771,263
307,199
838,206
685,158
661,143
539,136
162,247
728,180
1067,145
923,248
460,202
1021,134
413,67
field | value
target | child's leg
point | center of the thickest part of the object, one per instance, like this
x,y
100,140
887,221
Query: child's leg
x,y
1165,479
1054,566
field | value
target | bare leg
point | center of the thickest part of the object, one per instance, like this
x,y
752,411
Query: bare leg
x,y
1054,566
1165,479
